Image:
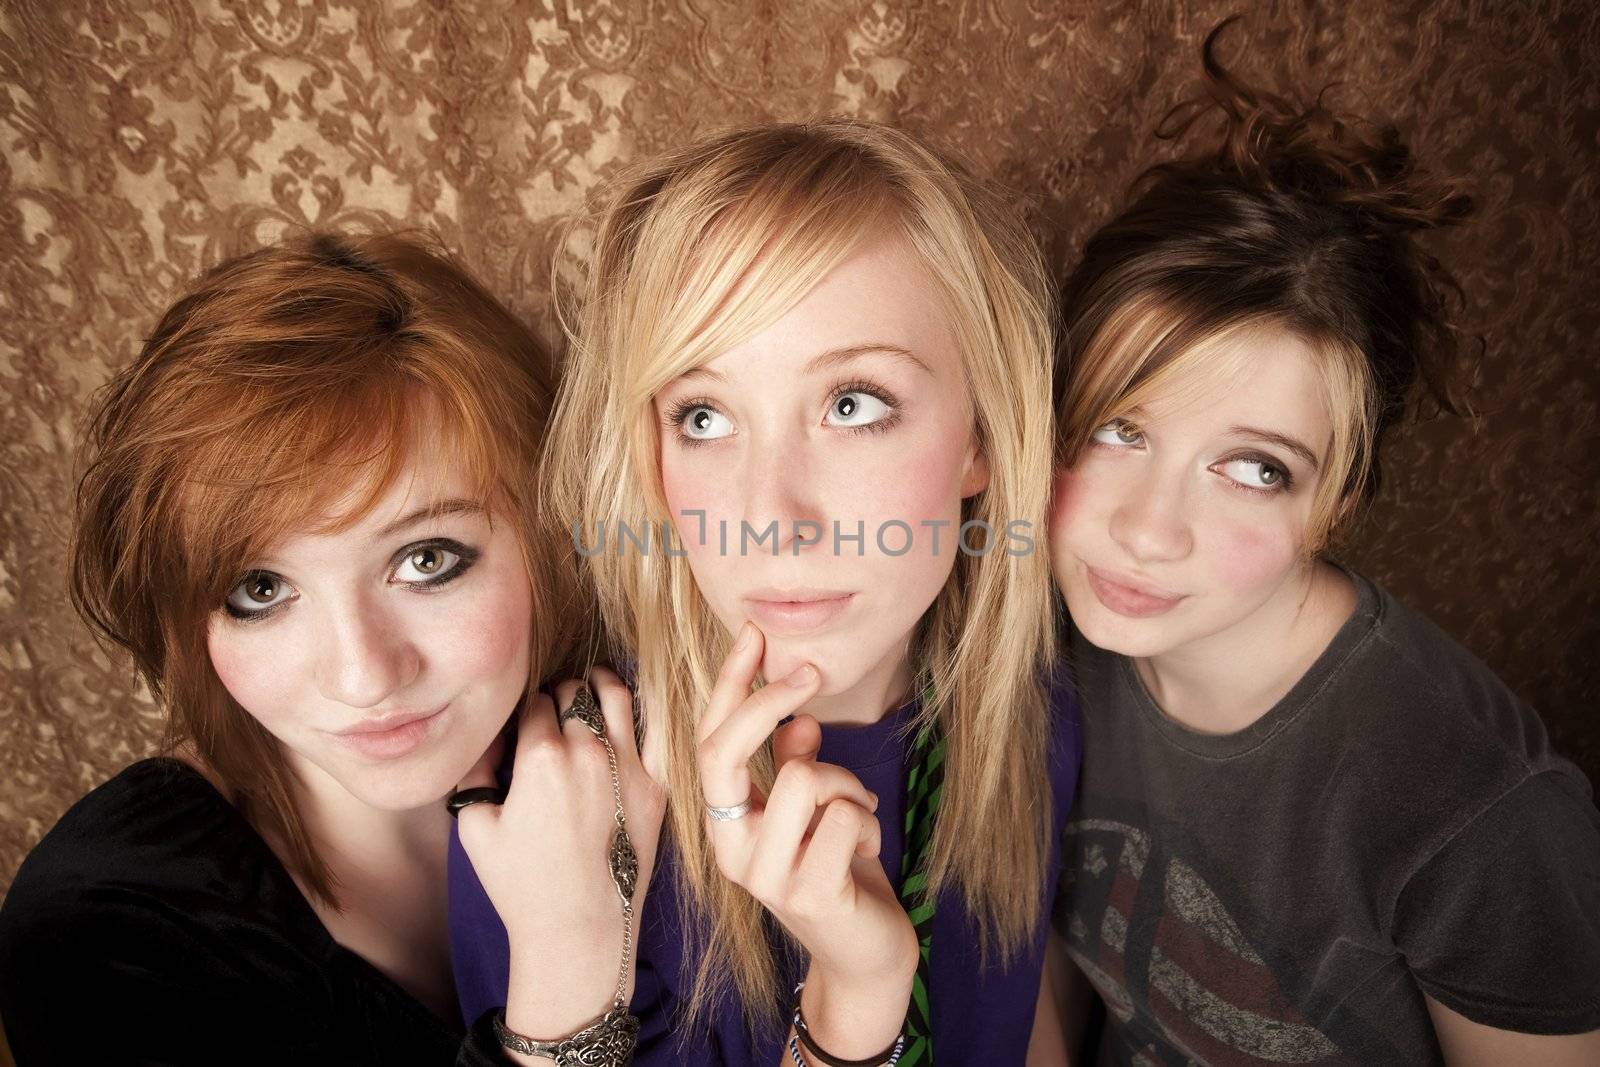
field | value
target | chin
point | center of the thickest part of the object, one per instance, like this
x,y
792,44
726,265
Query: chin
x,y
405,784
1116,633
393,789
841,661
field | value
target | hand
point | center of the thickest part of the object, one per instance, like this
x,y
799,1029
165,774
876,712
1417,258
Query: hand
x,y
542,857
808,852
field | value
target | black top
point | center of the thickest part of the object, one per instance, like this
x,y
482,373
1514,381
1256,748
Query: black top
x,y
153,925
1397,826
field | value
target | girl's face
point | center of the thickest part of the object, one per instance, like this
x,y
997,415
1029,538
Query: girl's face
x,y
388,655
848,414
1185,518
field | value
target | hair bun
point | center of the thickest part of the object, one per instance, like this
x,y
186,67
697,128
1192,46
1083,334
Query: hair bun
x,y
1312,152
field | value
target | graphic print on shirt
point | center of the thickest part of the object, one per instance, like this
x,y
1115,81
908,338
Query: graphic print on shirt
x,y
1181,982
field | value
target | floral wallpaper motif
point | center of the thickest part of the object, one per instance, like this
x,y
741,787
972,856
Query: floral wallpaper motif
x,y
144,140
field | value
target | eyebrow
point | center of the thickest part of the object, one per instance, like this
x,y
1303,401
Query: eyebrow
x,y
835,356
1282,440
432,511
831,358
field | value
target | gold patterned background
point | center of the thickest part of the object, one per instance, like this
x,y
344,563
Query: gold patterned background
x,y
144,140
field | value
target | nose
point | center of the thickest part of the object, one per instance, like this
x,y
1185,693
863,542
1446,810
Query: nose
x,y
365,656
784,489
1151,520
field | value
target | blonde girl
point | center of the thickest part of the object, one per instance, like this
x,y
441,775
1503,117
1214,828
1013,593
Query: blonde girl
x,y
818,357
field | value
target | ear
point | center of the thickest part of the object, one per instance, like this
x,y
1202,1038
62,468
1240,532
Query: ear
x,y
975,476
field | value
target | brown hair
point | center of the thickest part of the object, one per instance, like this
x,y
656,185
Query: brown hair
x,y
1299,219
284,378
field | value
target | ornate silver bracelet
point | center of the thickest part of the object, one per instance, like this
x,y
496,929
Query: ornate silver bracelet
x,y
609,1040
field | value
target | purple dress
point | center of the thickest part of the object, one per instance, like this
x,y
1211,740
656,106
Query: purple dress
x,y
980,1016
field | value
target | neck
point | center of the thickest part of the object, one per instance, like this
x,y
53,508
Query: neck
x,y
354,836
1222,683
881,690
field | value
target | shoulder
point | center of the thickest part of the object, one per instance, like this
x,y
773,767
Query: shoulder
x,y
143,826
154,856
1422,685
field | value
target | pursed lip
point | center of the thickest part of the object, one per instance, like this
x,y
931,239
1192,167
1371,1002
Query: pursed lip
x,y
800,594
797,610
382,724
1129,595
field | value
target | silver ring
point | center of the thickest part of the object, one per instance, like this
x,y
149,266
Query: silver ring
x,y
738,811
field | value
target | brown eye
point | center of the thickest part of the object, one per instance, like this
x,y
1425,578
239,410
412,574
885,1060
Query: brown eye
x,y
256,594
427,560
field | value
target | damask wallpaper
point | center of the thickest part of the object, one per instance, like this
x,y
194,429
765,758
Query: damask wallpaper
x,y
143,140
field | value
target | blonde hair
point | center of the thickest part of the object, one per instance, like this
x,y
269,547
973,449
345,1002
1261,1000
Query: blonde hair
x,y
281,381
698,251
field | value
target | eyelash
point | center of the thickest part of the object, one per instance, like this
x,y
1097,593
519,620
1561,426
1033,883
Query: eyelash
x,y
465,558
680,411
882,395
1285,478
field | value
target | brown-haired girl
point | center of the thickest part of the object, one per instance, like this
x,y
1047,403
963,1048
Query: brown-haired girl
x,y
1311,828
309,515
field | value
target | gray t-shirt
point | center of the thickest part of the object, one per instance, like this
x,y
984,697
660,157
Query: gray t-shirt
x,y
1396,826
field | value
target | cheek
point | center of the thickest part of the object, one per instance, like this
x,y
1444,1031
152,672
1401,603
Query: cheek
x,y
1081,501
486,638
263,673
1249,556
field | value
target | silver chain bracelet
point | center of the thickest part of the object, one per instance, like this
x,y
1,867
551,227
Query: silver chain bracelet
x,y
609,1040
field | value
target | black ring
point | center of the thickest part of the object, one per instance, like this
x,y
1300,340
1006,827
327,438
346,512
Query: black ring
x,y
465,798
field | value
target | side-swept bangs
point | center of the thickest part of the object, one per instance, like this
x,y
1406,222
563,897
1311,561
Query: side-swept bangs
x,y
1155,343
288,391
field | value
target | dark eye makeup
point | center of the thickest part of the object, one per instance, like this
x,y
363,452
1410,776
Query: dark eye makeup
x,y
422,554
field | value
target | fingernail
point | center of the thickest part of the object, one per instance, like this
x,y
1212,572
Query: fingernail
x,y
802,676
874,797
745,633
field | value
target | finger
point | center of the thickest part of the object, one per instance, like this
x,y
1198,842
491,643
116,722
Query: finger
x,y
654,756
616,704
800,738
845,830
536,728
799,798
733,682
475,819
573,729
724,756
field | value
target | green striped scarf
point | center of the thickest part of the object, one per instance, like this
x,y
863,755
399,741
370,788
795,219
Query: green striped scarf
x,y
924,785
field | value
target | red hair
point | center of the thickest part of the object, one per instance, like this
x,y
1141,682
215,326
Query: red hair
x,y
284,378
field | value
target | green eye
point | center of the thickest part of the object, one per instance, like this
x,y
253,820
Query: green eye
x,y
1118,433
429,561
